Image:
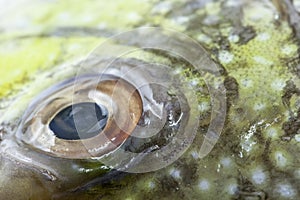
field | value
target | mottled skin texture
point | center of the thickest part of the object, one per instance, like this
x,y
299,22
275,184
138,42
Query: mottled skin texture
x,y
256,49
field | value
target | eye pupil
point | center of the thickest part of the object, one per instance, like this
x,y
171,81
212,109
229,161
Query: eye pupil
x,y
79,121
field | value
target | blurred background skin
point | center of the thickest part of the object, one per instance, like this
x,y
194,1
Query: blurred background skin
x,y
55,31
243,37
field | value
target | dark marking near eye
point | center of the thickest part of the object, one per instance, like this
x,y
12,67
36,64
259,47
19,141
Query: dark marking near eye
x,y
245,34
232,90
289,13
90,120
289,90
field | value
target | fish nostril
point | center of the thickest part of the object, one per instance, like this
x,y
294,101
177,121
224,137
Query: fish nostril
x,y
91,119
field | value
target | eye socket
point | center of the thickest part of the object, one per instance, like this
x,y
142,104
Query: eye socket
x,y
64,127
82,118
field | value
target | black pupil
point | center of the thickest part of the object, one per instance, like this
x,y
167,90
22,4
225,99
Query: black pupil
x,y
79,121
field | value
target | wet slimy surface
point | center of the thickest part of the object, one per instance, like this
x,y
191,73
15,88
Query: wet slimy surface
x,y
256,51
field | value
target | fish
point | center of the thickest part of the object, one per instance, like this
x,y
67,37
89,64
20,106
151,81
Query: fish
x,y
149,99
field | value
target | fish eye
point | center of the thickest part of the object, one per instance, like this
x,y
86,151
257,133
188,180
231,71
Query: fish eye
x,y
82,117
129,114
119,115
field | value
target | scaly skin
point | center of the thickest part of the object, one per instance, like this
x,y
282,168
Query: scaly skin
x,y
256,156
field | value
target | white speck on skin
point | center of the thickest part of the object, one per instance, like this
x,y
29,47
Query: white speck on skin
x,y
104,167
247,82
226,162
258,176
248,145
151,185
204,184
203,106
178,71
271,132
83,170
219,167
241,155
194,82
289,49
247,141
233,38
259,106
280,159
195,155
263,36
286,190
262,60
225,57
278,84
175,173
232,188
204,38
297,137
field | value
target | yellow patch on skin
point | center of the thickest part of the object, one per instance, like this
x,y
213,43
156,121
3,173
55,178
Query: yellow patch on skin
x,y
22,58
260,60
73,14
213,8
